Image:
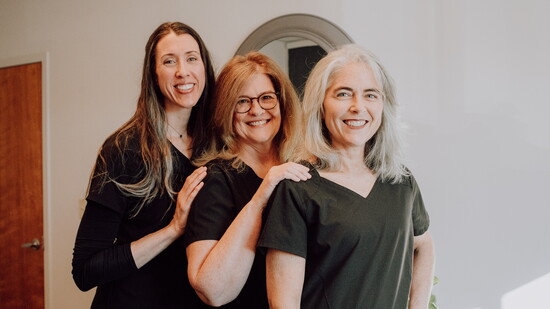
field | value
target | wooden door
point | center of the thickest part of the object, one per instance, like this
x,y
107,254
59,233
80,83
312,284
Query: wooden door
x,y
21,214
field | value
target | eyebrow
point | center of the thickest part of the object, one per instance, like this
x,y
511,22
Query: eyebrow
x,y
373,90
344,88
351,90
186,53
261,94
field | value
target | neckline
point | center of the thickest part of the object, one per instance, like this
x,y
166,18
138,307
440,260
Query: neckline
x,y
181,154
249,169
350,191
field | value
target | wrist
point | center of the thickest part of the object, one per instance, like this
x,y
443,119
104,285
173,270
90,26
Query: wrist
x,y
256,204
175,231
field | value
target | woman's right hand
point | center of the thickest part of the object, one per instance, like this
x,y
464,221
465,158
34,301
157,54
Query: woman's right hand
x,y
149,246
187,194
290,170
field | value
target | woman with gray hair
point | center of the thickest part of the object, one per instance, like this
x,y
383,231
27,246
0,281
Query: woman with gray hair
x,y
354,235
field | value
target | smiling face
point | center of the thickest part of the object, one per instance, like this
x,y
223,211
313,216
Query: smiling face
x,y
257,127
180,70
353,106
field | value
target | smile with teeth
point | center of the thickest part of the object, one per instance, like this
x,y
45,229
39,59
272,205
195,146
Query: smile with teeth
x,y
355,123
185,87
257,122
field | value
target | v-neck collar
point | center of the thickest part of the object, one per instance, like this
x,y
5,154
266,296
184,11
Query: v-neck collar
x,y
180,155
350,191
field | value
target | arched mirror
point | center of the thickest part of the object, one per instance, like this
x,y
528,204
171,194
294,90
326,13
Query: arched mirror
x,y
296,42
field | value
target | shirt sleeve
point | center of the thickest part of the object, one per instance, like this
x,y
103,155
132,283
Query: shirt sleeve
x,y
115,165
420,217
212,210
97,259
285,226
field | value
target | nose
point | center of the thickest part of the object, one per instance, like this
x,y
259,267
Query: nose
x,y
358,105
182,69
255,108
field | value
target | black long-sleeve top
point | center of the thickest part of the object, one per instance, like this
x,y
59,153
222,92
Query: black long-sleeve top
x,y
102,256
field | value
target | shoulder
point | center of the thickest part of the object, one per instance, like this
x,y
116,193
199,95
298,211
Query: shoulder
x,y
407,188
410,180
120,154
220,166
406,179
120,145
307,164
219,170
306,189
229,168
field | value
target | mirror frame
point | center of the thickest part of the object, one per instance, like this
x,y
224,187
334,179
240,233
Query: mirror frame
x,y
326,34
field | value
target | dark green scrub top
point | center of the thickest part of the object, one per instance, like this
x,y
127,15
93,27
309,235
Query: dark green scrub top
x,y
358,250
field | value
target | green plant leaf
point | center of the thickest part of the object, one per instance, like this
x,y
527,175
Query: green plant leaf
x,y
433,300
433,304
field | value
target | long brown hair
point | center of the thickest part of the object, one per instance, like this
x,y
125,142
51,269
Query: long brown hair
x,y
148,124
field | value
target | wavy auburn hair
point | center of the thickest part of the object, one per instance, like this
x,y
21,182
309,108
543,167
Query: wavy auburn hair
x,y
234,75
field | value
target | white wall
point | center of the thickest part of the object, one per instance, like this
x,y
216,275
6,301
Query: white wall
x,y
488,164
470,76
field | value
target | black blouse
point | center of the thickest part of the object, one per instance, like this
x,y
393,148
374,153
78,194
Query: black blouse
x,y
102,254
226,191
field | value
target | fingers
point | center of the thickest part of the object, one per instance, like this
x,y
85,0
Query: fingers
x,y
297,172
303,174
193,184
290,170
193,180
191,187
184,205
188,199
198,174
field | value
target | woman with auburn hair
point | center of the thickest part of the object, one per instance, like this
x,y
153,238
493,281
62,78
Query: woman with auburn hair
x,y
256,126
355,234
129,241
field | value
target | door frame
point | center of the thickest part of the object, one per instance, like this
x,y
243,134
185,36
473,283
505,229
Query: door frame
x,y
46,198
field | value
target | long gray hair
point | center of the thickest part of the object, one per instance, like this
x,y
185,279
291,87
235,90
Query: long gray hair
x,y
383,152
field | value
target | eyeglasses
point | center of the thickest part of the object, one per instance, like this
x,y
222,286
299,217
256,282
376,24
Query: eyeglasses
x,y
266,100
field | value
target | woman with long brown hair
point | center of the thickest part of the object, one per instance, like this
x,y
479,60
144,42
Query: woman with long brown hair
x,y
129,241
